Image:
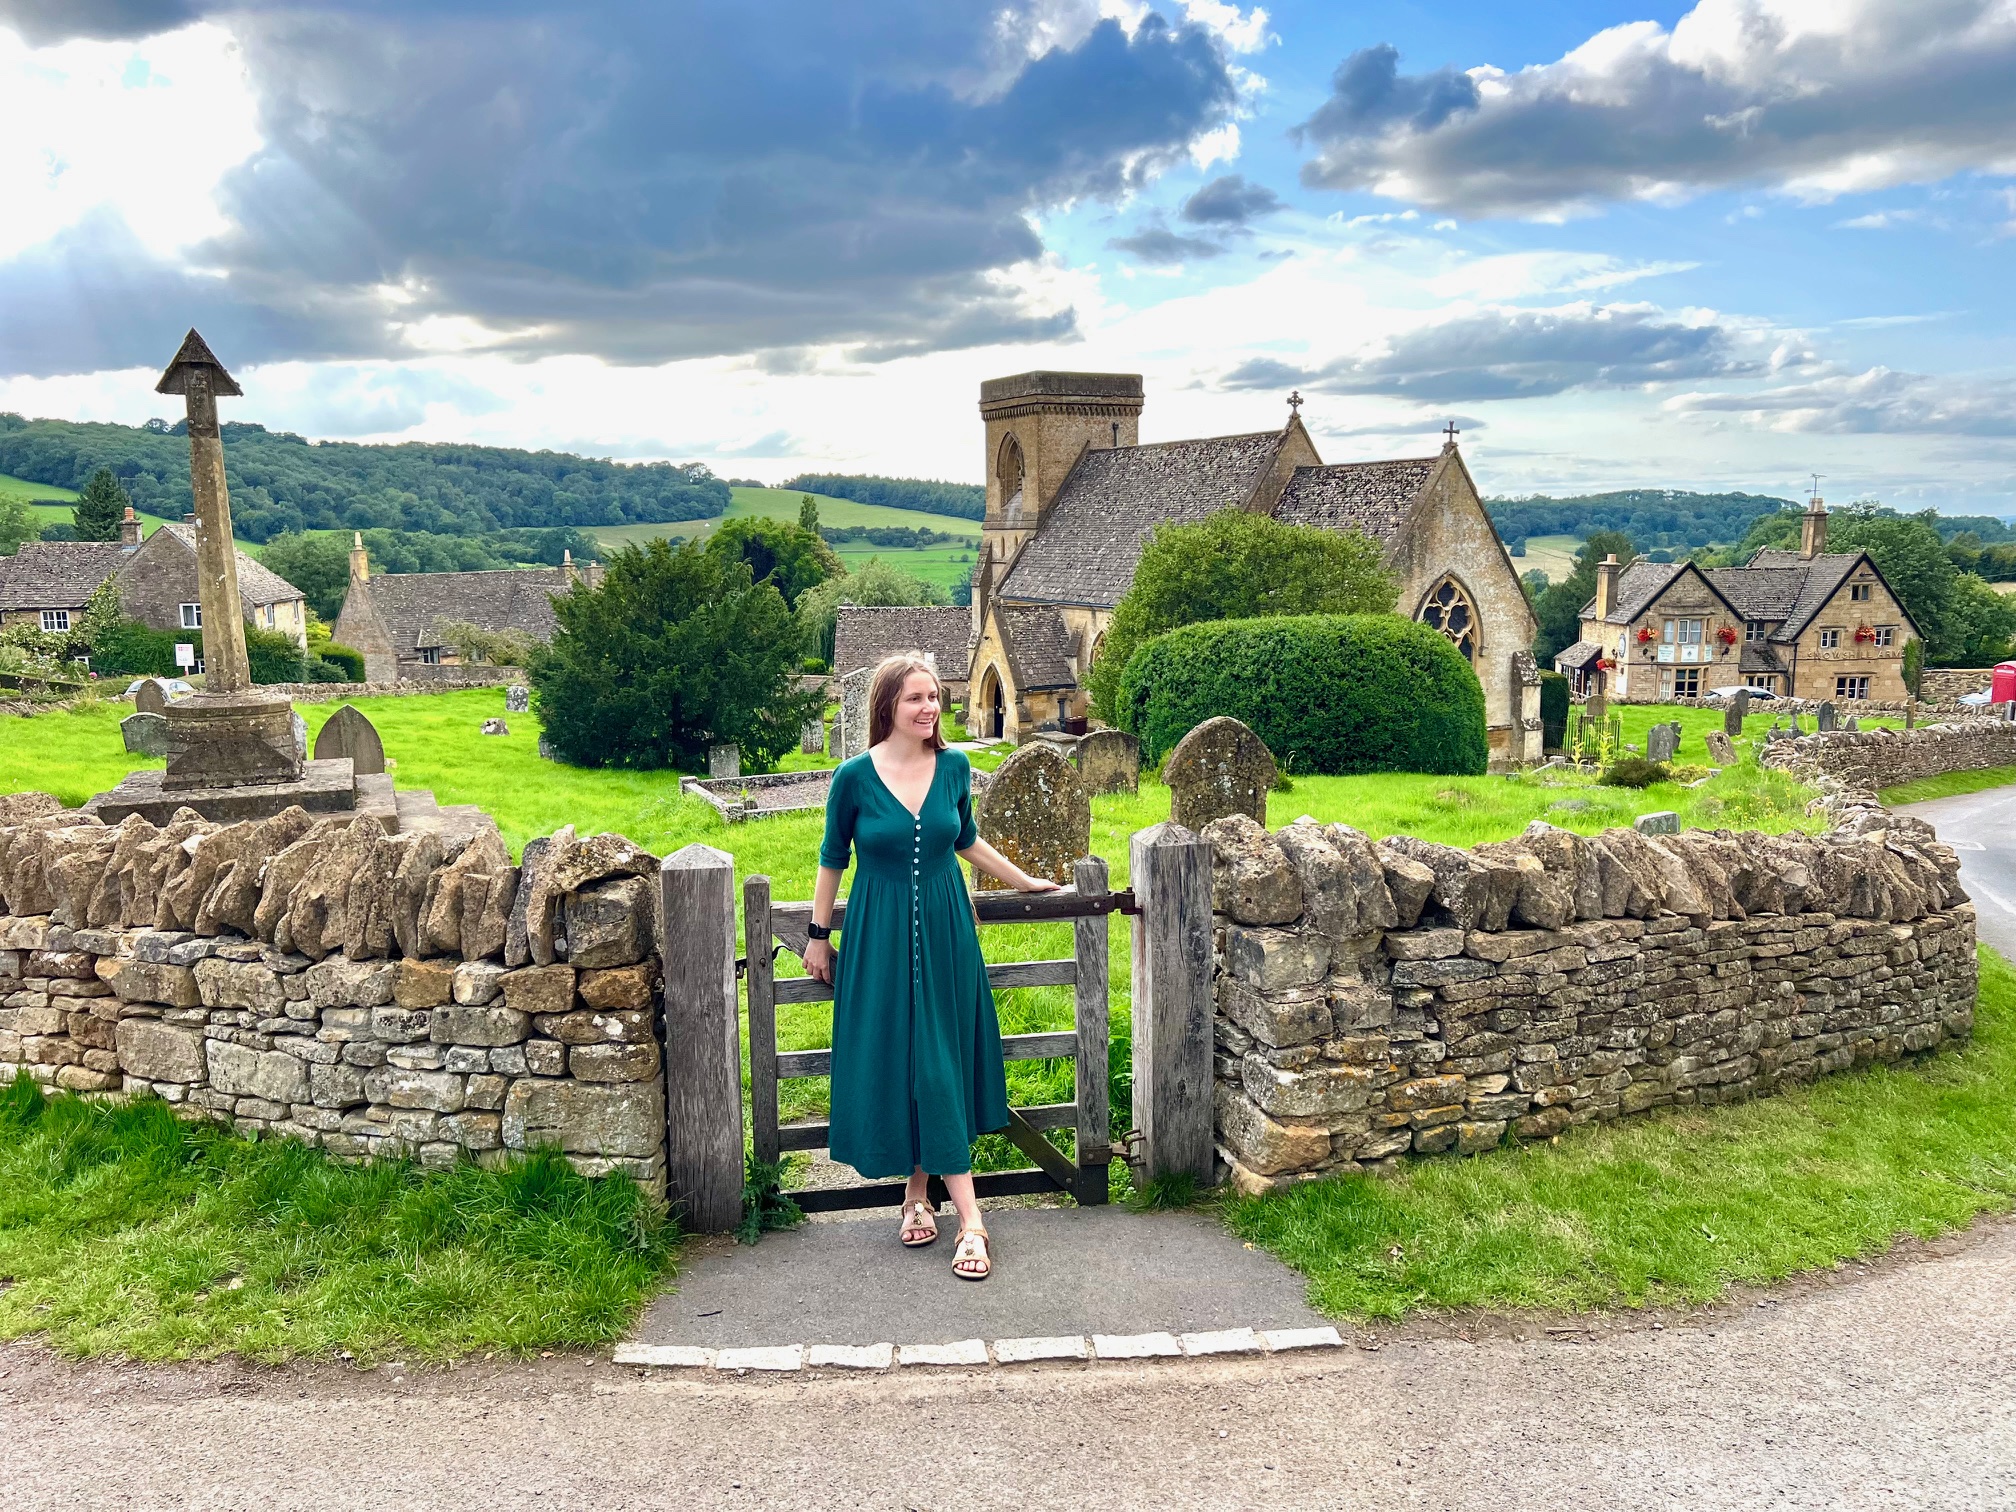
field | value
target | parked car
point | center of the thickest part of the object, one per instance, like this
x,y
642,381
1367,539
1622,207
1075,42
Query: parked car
x,y
1756,694
174,687
1977,699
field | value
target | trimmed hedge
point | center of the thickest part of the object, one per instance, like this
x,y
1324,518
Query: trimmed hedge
x,y
1331,694
130,649
350,660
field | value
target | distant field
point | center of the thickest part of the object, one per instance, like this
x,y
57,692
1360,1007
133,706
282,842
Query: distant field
x,y
934,564
1553,555
20,488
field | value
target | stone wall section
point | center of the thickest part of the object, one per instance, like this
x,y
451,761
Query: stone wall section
x,y
375,995
1403,996
1867,761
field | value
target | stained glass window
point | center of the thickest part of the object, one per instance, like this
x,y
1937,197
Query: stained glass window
x,y
1448,609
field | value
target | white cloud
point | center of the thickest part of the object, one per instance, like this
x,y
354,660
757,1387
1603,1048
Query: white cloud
x,y
1243,33
1878,401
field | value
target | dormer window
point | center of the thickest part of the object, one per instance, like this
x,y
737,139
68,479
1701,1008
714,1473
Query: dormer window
x,y
1754,631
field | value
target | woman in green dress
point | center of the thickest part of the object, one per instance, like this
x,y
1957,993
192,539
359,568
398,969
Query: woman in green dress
x,y
917,1071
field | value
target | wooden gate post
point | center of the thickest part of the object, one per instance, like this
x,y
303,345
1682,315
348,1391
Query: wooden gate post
x,y
703,1049
1171,868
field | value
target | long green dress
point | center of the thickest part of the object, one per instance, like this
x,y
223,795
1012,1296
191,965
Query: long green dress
x,y
917,1071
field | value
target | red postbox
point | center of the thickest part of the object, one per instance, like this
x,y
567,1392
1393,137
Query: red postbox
x,y
2003,688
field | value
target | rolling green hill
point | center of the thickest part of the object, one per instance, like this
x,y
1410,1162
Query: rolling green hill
x,y
21,488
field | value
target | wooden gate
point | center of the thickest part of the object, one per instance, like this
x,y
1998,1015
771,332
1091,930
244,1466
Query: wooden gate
x,y
767,924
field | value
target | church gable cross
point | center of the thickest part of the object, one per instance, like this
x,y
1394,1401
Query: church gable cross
x,y
1451,432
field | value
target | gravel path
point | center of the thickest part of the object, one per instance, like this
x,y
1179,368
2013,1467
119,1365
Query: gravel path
x,y
1889,1386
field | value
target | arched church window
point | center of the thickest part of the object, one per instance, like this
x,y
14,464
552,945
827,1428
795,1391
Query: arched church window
x,y
1449,610
1008,468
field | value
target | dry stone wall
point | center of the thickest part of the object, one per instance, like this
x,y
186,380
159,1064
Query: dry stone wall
x,y
371,994
1867,761
1375,999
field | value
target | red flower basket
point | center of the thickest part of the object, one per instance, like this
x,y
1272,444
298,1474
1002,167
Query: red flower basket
x,y
1727,635
1644,634
1864,634
1604,664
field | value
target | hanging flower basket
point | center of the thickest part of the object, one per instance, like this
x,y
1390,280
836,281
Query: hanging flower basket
x,y
1644,634
1727,635
1604,664
1864,634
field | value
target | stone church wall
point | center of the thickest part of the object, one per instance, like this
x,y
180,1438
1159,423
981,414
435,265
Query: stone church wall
x,y
1406,996
323,981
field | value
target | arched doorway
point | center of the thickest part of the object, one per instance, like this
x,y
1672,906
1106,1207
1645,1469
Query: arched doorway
x,y
991,707
1448,608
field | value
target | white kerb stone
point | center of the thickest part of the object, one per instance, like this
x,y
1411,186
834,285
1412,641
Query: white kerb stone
x,y
1055,1347
960,1352
1134,1346
679,1356
1280,1339
1220,1341
850,1356
769,1357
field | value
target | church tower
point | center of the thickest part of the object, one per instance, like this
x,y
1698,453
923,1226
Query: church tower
x,y
1037,425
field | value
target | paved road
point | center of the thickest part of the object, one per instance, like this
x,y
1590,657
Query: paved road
x,y
1890,1388
1982,827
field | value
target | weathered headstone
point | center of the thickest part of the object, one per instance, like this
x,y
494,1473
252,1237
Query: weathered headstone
x,y
1221,767
349,733
517,699
546,750
1664,822
1109,761
1736,713
853,720
145,734
150,697
1721,750
495,727
1662,742
812,739
1826,718
1852,723
724,760
1037,813
1596,707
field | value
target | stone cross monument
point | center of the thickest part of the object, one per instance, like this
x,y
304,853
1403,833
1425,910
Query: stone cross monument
x,y
228,735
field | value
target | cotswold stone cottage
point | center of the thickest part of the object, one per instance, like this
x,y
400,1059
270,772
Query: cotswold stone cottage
x,y
1808,623
47,583
396,619
1072,497
864,634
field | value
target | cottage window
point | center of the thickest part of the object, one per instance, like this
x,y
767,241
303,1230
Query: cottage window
x,y
1830,639
1851,687
1754,631
1680,682
192,616
1447,608
1886,635
430,656
55,619
1859,592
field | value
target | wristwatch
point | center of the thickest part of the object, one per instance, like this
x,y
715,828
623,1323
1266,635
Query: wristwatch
x,y
818,932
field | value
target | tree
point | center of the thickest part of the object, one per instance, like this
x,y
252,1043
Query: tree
x,y
877,584
496,648
785,555
100,508
319,565
808,513
1236,565
17,524
1559,608
674,651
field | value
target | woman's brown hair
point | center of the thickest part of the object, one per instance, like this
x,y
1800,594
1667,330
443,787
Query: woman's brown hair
x,y
887,687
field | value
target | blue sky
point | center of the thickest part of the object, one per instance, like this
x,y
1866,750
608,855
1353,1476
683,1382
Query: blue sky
x,y
1721,245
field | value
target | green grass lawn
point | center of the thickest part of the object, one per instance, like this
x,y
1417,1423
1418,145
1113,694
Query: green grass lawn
x,y
1950,785
1553,555
125,1230
20,488
1676,1207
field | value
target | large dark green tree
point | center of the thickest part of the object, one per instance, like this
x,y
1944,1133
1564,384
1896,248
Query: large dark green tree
x,y
779,552
1558,607
100,508
677,649
1236,565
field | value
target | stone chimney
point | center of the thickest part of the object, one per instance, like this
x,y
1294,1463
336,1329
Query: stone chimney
x,y
1813,529
1606,586
129,528
567,573
360,560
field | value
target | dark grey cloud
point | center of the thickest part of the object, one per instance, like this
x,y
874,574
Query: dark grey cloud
x,y
1158,245
1517,354
1229,201
1855,95
646,182
42,22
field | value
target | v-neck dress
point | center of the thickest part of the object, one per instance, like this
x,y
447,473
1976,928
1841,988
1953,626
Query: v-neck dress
x,y
917,1071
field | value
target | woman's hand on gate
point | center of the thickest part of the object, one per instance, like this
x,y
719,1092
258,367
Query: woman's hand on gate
x,y
819,959
1035,884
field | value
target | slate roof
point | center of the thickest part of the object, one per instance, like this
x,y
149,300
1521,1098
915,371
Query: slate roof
x,y
1372,497
58,574
1637,586
1039,647
414,604
1760,593
1781,588
1761,656
862,636
257,583
1578,657
1090,541
1823,576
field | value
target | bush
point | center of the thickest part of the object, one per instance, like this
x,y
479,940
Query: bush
x,y
1330,694
274,655
128,648
316,669
1553,710
350,660
1634,772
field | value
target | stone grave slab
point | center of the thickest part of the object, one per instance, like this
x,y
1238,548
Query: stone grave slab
x,y
1663,822
1735,714
1826,718
1036,812
1662,742
1220,768
724,760
145,733
1721,750
812,739
853,722
150,698
349,733
517,699
494,727
1109,761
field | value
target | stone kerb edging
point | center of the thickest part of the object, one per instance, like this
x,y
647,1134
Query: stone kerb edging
x,y
319,979
1374,999
1867,761
977,1353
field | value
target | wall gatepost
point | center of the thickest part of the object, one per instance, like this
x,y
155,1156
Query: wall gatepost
x,y
1171,870
703,1048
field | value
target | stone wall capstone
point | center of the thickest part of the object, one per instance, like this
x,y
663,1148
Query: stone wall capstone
x,y
1867,761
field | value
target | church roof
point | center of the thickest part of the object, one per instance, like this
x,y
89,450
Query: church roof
x,y
1091,538
1372,497
863,635
413,605
1038,645
57,574
257,583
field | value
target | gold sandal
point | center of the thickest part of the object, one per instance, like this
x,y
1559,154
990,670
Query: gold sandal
x,y
917,1219
974,1244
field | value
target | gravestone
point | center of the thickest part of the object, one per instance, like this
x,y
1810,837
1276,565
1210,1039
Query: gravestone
x,y
494,727
145,734
1721,750
1219,768
853,722
517,699
1662,742
1736,713
1596,707
1109,761
300,737
812,739
150,698
1036,812
1852,724
724,760
1664,822
349,733
1825,719
546,750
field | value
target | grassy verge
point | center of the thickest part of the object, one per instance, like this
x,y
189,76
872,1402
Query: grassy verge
x,y
1676,1207
123,1229
1950,785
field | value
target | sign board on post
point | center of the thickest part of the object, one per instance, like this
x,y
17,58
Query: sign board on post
x,y
185,655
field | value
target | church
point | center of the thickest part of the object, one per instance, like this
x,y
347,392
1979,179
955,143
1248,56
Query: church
x,y
1072,496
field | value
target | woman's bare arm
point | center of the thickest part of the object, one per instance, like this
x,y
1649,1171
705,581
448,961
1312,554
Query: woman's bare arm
x,y
819,953
998,866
